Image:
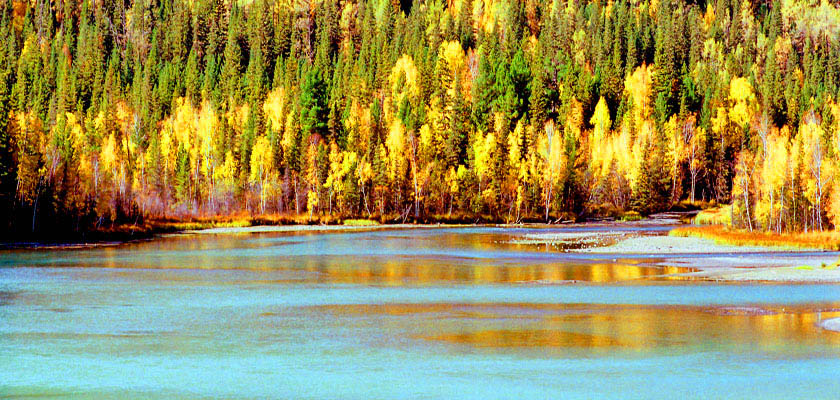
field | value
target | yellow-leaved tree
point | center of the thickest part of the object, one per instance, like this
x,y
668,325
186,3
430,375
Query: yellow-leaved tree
x,y
483,149
206,131
454,63
262,168
364,172
676,133
342,165
357,124
773,179
550,148
395,143
743,188
834,209
599,143
225,175
638,137
108,161
818,172
403,80
451,180
638,86
275,108
742,101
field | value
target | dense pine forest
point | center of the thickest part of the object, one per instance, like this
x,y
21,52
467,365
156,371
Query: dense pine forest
x,y
115,111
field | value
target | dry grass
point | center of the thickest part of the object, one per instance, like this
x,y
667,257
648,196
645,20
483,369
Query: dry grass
x,y
715,216
194,223
245,220
631,216
687,205
360,222
724,235
290,219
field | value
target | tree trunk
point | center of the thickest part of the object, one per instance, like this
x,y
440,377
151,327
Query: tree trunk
x,y
416,195
35,208
297,200
770,214
781,209
364,197
693,184
747,204
547,202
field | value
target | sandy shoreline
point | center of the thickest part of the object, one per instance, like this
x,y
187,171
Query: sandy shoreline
x,y
831,324
730,263
307,228
711,260
774,274
667,245
714,261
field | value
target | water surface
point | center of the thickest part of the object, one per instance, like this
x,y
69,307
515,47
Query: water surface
x,y
414,313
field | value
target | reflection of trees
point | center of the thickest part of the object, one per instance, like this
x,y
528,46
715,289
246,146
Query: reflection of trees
x,y
585,326
289,258
394,271
532,338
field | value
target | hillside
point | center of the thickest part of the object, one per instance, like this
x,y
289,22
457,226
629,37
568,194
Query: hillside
x,y
112,112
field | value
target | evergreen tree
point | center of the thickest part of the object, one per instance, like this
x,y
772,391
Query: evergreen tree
x,y
111,107
7,165
313,104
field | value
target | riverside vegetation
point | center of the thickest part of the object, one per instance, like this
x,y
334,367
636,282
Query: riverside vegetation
x,y
116,112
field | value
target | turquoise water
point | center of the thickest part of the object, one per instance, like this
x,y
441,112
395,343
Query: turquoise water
x,y
426,313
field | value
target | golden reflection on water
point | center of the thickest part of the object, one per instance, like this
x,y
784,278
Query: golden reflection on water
x,y
582,326
532,338
396,272
396,258
404,270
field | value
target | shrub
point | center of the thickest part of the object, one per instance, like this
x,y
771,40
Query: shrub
x,y
715,216
360,222
737,237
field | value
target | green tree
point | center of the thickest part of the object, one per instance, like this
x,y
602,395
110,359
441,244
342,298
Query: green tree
x,y
313,104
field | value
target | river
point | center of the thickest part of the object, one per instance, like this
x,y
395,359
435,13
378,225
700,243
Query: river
x,y
437,313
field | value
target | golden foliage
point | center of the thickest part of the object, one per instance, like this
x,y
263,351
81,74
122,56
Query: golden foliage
x,y
638,86
403,79
275,108
743,100
261,160
396,145
483,148
599,142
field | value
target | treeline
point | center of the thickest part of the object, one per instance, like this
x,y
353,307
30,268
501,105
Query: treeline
x,y
114,111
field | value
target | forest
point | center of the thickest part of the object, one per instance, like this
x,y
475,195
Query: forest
x,y
117,111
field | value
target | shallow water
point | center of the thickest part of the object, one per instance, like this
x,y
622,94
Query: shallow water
x,y
421,313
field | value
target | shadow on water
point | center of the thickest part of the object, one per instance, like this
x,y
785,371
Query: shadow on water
x,y
6,297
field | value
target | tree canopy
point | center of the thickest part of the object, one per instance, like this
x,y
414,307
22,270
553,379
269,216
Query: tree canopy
x,y
115,111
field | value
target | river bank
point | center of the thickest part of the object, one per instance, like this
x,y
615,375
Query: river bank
x,y
826,240
649,241
727,262
245,223
832,324
310,228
